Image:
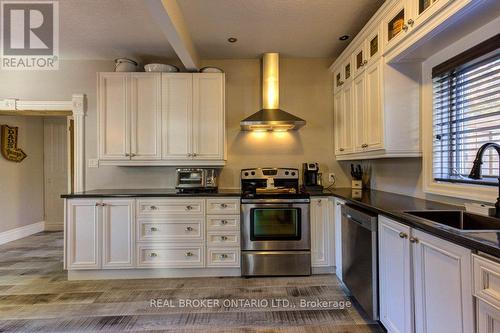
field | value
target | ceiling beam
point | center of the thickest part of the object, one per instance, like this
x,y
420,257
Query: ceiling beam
x,y
168,15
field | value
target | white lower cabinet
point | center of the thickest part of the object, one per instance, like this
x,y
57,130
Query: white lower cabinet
x,y
424,280
118,233
338,236
487,293
488,318
322,236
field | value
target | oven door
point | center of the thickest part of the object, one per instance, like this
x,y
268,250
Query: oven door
x,y
275,224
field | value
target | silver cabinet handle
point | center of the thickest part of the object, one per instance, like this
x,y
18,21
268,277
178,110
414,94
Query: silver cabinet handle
x,y
189,228
194,154
152,255
413,240
411,22
153,207
189,207
100,204
189,254
223,256
405,27
223,205
190,155
341,149
223,238
223,222
127,154
364,145
403,235
153,229
365,62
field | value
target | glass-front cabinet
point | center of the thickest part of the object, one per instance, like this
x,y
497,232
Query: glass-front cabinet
x,y
368,52
422,10
394,23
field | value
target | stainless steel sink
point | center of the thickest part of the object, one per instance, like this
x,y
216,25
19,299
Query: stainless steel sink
x,y
460,220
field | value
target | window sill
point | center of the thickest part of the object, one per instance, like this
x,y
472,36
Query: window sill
x,y
463,191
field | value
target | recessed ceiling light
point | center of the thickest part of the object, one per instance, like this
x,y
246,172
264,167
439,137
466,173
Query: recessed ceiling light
x,y
232,40
344,37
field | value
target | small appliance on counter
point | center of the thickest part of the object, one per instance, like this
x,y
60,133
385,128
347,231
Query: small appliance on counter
x,y
196,180
311,177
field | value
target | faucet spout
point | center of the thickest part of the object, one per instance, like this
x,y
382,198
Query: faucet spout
x,y
475,172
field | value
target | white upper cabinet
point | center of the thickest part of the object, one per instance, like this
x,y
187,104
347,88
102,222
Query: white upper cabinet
x,y
372,113
162,119
114,117
145,115
208,116
177,114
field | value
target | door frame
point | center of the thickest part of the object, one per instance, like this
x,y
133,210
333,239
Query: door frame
x,y
74,109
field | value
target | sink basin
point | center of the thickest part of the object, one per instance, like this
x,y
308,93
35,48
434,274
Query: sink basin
x,y
460,220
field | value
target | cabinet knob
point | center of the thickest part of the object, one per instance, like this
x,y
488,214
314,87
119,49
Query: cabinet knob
x,y
413,240
223,238
365,62
223,205
405,27
364,145
223,222
341,149
411,22
190,155
153,229
189,254
403,235
132,155
152,255
189,229
127,154
194,154
189,207
153,207
223,256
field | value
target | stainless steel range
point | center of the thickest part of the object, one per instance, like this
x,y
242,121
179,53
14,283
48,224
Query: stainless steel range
x,y
275,231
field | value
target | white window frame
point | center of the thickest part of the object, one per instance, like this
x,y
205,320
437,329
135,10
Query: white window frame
x,y
458,190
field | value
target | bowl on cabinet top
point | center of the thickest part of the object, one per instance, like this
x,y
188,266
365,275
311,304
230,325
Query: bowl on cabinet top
x,y
125,65
161,68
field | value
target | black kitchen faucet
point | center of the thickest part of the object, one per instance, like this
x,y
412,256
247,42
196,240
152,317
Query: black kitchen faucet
x,y
475,172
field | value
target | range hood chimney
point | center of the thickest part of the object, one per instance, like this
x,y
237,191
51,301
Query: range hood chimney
x,y
271,117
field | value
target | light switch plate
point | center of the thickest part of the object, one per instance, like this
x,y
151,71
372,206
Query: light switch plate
x,y
93,163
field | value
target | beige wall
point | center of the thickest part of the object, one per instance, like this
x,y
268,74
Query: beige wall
x,y
21,184
306,86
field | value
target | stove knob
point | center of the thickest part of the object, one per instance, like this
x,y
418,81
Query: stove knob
x,y
293,173
287,173
253,173
246,174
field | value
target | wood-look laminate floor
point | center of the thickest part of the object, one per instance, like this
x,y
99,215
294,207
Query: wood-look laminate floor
x,y
35,296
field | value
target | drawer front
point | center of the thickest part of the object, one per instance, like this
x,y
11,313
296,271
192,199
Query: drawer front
x,y
175,230
487,280
223,257
223,239
223,222
167,207
171,256
223,206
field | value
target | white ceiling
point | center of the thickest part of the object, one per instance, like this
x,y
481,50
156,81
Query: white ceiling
x,y
295,28
108,29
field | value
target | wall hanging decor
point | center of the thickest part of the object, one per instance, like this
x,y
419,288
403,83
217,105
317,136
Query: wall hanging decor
x,y
9,144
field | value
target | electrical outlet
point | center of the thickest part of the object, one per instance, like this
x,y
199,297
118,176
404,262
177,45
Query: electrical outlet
x,y
93,163
331,178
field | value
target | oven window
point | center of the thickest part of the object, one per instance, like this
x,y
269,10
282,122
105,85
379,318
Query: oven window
x,y
275,224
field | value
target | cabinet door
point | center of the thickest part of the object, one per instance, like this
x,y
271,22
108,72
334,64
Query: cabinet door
x,y
443,293
83,234
114,118
358,112
395,276
320,233
394,23
373,117
177,95
145,114
118,233
338,237
208,116
422,10
339,123
488,318
347,112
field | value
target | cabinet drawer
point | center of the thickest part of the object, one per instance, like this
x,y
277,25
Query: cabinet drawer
x,y
487,280
181,229
231,238
223,257
223,222
172,256
170,207
223,206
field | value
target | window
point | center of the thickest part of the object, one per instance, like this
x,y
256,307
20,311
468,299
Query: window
x,y
466,113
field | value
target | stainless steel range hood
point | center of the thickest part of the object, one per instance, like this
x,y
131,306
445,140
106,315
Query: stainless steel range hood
x,y
271,117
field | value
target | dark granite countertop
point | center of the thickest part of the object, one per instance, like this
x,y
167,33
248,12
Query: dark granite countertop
x,y
147,192
394,205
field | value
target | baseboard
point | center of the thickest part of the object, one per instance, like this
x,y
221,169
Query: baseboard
x,y
323,270
54,226
148,273
21,232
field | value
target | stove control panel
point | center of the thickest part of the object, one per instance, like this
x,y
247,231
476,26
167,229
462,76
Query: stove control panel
x,y
263,173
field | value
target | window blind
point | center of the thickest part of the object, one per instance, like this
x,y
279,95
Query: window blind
x,y
466,114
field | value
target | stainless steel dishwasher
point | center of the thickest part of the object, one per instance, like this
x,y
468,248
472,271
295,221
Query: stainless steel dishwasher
x,y
359,257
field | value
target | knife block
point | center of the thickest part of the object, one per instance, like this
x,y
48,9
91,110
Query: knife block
x,y
357,184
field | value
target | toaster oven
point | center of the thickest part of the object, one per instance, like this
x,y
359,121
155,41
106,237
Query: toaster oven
x,y
196,179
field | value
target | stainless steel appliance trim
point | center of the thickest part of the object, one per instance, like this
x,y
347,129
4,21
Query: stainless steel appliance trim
x,y
275,263
274,201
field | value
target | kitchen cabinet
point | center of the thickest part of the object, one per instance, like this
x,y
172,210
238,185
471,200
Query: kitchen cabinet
x,y
436,272
367,53
343,117
338,236
322,250
161,119
488,318
394,23
487,293
129,116
118,226
100,233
